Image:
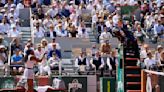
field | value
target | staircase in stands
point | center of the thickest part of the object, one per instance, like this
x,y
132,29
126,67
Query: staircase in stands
x,y
132,73
26,34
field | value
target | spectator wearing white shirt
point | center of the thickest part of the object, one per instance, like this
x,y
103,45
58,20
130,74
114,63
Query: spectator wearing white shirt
x,y
95,19
109,23
50,45
144,50
44,45
16,12
39,31
11,20
60,31
53,11
39,51
116,18
13,32
97,63
105,35
150,62
139,34
82,32
112,62
51,33
73,17
4,26
20,5
12,12
51,64
158,28
90,6
94,50
158,52
47,21
82,62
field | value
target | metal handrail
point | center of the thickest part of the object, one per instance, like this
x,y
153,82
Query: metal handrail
x,y
31,26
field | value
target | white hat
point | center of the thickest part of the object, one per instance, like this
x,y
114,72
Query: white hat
x,y
71,2
6,6
5,15
13,5
3,10
11,16
159,46
2,46
12,9
17,20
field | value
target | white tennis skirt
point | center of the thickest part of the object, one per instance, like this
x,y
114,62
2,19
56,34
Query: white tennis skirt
x,y
28,74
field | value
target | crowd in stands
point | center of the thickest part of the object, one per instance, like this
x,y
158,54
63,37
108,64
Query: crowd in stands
x,y
62,18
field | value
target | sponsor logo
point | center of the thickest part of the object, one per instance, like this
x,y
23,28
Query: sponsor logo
x,y
75,85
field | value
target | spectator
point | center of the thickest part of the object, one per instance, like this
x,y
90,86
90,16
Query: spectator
x,y
95,19
3,41
53,11
105,48
17,62
58,53
90,5
82,32
162,57
54,61
100,25
4,26
16,45
116,18
12,13
20,5
143,52
11,20
158,29
14,32
51,33
1,4
60,31
105,35
158,52
140,34
97,62
94,50
112,62
39,51
28,47
17,23
44,45
50,45
82,62
39,31
47,21
40,14
3,55
109,23
72,32
150,62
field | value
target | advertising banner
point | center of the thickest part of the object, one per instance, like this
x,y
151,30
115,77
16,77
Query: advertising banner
x,y
7,83
75,84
